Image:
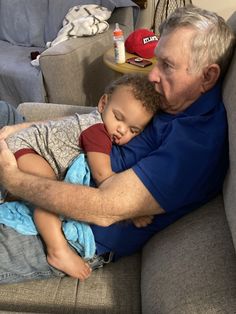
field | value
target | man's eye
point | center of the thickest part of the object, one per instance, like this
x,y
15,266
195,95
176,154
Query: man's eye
x,y
166,65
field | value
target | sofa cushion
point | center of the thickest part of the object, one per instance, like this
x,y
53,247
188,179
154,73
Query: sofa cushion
x,y
57,11
190,267
229,96
34,111
59,8
19,80
22,22
112,289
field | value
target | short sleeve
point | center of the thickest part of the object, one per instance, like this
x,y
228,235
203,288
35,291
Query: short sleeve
x,y
190,165
96,139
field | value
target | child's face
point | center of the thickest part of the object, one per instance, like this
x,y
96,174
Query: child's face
x,y
123,115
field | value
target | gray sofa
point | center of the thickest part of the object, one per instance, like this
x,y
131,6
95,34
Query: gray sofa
x,y
70,72
67,71
188,268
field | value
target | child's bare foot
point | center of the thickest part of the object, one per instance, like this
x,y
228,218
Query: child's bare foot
x,y
68,261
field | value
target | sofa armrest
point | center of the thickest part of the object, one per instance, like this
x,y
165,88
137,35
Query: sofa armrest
x,y
190,267
74,72
34,111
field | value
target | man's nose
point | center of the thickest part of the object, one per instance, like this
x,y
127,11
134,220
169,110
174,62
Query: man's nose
x,y
154,75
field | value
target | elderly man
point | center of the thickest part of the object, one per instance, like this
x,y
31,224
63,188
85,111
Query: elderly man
x,y
177,164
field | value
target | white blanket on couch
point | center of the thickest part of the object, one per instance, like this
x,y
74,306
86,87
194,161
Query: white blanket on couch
x,y
82,20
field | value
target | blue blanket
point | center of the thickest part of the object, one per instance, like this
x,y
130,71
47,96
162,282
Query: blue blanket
x,y
19,215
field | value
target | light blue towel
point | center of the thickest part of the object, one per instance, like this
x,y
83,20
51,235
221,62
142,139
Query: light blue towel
x,y
19,215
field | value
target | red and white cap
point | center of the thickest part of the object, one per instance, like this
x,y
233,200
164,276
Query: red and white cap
x,y
141,42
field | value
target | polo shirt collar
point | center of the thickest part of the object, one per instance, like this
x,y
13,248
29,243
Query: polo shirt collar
x,y
205,102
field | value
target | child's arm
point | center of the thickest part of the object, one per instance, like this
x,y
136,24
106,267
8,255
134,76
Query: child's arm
x,y
96,142
11,129
100,166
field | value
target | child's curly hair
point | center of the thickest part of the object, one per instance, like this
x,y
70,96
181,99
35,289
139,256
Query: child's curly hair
x,y
142,89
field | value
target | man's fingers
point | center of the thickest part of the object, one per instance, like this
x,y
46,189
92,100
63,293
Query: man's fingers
x,y
3,145
6,156
4,132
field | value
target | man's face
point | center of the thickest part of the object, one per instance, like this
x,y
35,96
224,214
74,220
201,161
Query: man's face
x,y
172,76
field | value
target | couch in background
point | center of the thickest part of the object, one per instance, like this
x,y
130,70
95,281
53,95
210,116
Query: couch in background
x,y
71,72
188,268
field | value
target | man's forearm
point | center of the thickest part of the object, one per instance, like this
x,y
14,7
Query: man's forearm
x,y
121,196
102,206
60,198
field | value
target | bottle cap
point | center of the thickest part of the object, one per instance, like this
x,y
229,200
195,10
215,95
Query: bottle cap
x,y
117,31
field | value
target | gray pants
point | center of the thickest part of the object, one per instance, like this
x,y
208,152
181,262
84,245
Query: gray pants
x,y
21,257
9,115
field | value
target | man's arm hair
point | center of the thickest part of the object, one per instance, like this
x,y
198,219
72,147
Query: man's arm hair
x,y
121,196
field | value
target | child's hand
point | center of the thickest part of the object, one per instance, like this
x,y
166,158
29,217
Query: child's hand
x,y
143,221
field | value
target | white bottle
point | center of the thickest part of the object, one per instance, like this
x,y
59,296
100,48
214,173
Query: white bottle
x,y
119,45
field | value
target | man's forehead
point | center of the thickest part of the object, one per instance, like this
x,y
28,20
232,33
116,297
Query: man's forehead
x,y
162,51
171,43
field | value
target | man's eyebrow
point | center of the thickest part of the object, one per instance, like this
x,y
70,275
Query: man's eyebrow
x,y
167,60
164,57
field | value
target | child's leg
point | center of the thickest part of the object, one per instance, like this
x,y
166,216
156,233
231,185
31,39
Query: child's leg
x,y
59,253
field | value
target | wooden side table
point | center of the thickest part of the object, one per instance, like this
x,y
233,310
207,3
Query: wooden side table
x,y
109,60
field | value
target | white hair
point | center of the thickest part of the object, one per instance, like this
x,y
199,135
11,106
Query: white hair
x,y
213,40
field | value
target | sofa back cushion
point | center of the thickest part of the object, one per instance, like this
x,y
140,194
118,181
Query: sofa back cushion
x,y
57,9
229,95
35,22
22,22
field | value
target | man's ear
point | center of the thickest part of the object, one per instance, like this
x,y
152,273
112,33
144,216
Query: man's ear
x,y
102,103
210,76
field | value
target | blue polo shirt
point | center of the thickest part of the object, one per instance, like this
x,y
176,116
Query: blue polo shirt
x,y
181,159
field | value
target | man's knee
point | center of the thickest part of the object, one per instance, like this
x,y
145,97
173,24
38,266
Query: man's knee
x,y
9,115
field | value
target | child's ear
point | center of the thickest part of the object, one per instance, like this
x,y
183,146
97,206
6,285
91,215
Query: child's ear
x,y
210,77
102,103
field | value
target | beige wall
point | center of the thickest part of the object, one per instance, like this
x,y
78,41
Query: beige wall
x,y
223,7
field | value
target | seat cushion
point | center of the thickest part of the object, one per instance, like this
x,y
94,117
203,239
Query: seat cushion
x,y
190,267
112,289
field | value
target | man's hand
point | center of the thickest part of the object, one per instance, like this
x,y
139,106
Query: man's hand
x,y
8,163
6,131
143,221
11,129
